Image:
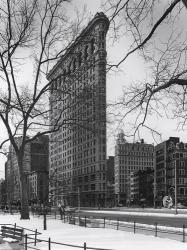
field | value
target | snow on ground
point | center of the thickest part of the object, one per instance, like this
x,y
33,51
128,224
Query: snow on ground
x,y
94,237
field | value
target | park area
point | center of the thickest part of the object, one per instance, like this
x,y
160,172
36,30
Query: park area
x,y
60,235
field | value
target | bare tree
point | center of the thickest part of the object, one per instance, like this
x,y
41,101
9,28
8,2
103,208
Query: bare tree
x,y
154,32
34,34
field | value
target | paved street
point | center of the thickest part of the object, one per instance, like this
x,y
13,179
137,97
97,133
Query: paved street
x,y
142,217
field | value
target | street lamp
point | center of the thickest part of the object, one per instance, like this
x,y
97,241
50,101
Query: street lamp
x,y
176,212
175,187
79,201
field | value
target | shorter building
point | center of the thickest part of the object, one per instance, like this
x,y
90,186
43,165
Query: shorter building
x,y
38,182
171,170
130,157
35,160
142,187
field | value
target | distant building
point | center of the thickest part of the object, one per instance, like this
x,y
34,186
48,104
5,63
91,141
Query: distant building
x,y
129,157
35,159
3,193
38,187
142,187
78,100
171,170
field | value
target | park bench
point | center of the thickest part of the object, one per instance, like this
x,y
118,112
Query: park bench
x,y
11,234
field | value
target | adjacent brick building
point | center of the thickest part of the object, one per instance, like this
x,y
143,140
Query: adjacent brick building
x,y
171,170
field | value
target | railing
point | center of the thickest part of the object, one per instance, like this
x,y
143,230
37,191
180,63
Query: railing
x,y
34,232
31,242
31,238
178,233
29,233
50,243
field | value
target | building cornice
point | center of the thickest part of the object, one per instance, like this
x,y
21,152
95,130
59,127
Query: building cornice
x,y
99,17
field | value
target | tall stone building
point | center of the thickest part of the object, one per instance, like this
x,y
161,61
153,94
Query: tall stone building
x,y
35,160
130,157
78,101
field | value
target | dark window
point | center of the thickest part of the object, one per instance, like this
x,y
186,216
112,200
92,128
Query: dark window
x,y
74,64
92,45
86,52
86,178
80,59
93,177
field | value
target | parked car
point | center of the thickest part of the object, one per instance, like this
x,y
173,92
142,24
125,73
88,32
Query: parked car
x,y
181,206
70,209
119,205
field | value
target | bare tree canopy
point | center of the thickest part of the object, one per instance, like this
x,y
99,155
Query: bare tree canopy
x,y
34,34
157,32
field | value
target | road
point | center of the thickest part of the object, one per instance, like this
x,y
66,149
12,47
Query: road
x,y
161,219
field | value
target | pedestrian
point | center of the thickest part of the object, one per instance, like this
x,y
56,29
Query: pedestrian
x,y
62,211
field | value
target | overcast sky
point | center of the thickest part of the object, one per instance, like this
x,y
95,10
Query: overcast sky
x,y
132,70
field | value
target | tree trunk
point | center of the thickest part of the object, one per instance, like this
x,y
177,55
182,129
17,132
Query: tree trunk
x,y
23,190
24,197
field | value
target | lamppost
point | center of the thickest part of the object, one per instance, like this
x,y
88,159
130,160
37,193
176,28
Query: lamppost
x,y
176,212
79,200
154,193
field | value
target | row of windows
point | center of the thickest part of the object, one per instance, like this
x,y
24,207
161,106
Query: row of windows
x,y
92,187
87,142
182,191
180,181
143,161
137,156
76,172
74,150
172,172
134,150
